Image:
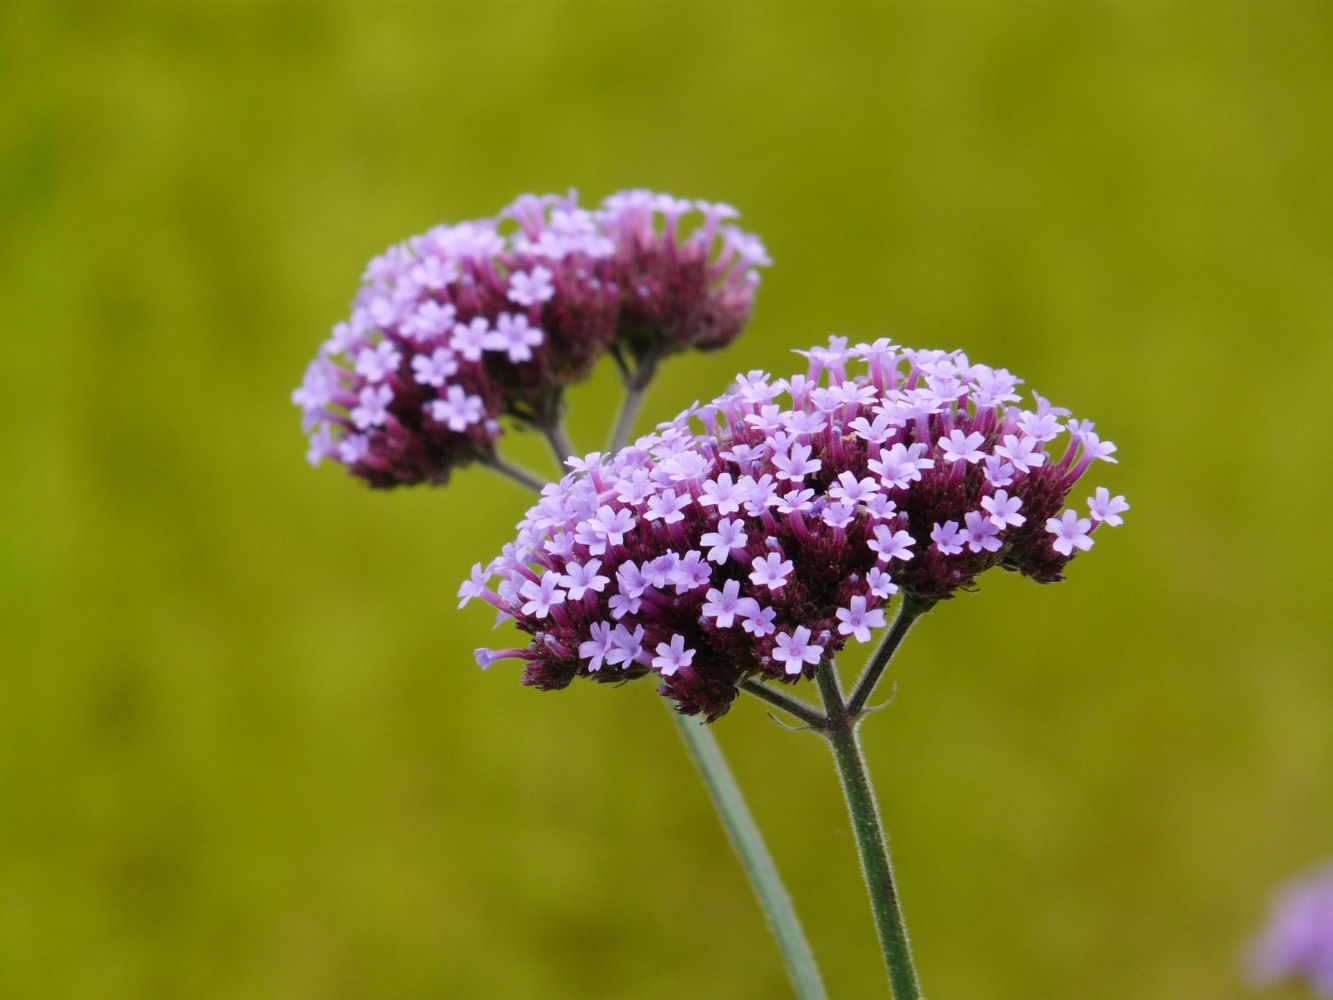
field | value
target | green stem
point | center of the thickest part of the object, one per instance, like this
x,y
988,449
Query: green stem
x,y
516,473
636,386
840,731
745,837
629,412
778,699
749,844
559,442
909,610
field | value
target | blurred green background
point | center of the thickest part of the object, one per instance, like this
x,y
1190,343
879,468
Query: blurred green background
x,y
244,750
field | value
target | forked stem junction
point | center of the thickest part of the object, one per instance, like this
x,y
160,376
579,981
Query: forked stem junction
x,y
838,724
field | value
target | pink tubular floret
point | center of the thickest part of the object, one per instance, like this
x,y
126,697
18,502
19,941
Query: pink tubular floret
x,y
766,541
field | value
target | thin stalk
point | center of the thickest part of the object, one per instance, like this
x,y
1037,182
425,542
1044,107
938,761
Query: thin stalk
x,y
909,610
517,473
758,863
629,412
636,386
559,442
840,731
747,840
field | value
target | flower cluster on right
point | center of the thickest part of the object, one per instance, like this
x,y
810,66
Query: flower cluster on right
x,y
766,539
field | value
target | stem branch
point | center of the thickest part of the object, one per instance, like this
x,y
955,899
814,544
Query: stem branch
x,y
517,473
909,610
789,704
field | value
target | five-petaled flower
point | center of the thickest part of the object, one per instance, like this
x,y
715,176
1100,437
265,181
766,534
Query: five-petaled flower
x,y
796,650
1071,532
857,620
672,656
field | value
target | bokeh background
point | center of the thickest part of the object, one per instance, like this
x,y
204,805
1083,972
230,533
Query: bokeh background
x,y
244,750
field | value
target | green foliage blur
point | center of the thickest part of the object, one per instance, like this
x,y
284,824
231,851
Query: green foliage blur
x,y
244,749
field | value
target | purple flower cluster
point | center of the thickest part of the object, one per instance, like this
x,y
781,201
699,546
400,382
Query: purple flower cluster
x,y
762,543
1298,943
467,323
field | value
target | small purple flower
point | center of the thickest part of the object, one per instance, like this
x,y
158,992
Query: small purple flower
x,y
1298,942
729,537
723,605
594,650
980,533
371,410
626,646
960,447
581,578
948,540
541,596
771,571
758,619
1106,508
1071,532
469,339
1004,509
857,620
434,369
671,657
891,544
513,337
796,650
457,410
530,288
376,363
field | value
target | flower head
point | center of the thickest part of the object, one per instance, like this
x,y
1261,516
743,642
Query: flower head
x,y
465,324
1298,942
765,536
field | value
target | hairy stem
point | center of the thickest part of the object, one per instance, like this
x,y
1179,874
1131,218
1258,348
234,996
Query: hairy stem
x,y
840,731
909,610
517,473
749,844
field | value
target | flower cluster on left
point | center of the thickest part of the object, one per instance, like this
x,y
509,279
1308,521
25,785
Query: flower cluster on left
x,y
467,323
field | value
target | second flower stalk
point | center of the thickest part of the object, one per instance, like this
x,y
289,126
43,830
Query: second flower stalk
x,y
838,724
746,839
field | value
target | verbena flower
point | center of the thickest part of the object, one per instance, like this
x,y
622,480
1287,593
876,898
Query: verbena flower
x,y
765,540
1298,942
454,328
680,289
458,327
